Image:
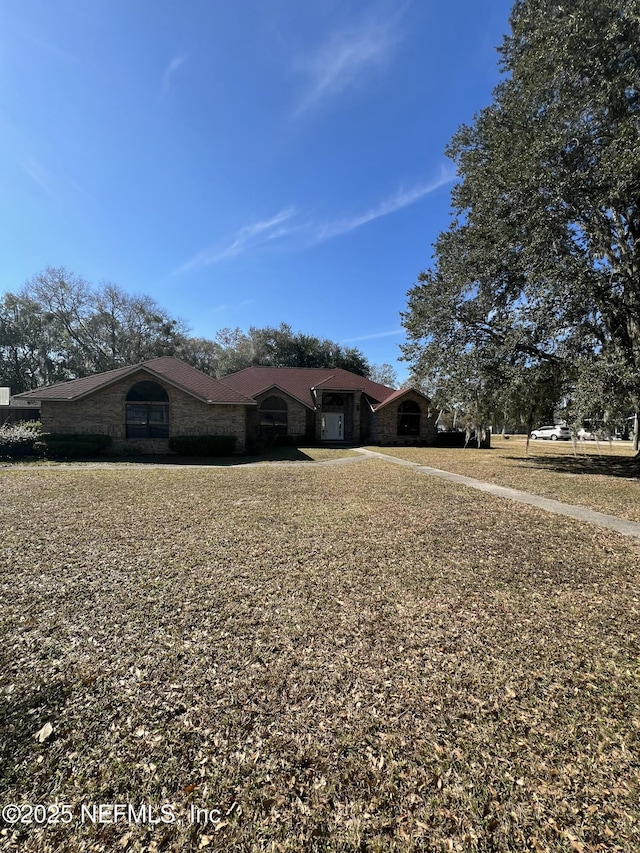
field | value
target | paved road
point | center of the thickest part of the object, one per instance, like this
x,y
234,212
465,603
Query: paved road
x,y
581,513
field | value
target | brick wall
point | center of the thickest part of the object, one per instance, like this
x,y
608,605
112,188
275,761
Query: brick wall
x,y
104,413
384,427
296,413
366,421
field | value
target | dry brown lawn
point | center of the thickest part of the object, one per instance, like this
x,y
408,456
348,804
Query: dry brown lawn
x,y
302,454
600,477
326,659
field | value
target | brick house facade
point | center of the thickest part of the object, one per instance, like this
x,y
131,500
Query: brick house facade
x,y
395,422
185,402
340,406
142,406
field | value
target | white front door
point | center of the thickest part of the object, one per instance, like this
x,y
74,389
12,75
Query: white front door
x,y
333,426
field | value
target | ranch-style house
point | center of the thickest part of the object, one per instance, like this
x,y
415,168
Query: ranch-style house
x,y
142,406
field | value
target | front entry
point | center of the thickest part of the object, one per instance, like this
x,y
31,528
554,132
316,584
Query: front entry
x,y
333,426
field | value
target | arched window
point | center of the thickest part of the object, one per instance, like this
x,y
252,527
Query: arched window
x,y
274,416
409,418
147,411
332,401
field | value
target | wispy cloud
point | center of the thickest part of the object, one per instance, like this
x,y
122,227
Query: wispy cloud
x,y
40,176
169,71
391,333
52,48
308,233
401,198
248,236
342,61
61,187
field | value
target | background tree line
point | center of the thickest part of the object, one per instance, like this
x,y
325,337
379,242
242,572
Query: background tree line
x,y
532,302
58,327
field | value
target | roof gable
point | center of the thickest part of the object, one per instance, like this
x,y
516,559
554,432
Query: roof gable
x,y
73,389
300,382
397,395
165,368
278,389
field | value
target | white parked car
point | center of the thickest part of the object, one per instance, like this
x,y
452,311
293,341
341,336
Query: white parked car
x,y
552,432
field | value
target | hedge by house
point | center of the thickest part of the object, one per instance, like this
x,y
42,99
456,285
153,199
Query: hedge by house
x,y
71,445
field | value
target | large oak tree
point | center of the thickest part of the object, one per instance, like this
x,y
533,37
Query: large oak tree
x,y
537,281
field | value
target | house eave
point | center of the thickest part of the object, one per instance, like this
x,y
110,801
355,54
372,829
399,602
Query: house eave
x,y
288,394
156,375
398,395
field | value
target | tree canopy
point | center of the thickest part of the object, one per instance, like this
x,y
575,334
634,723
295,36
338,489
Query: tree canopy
x,y
385,374
280,346
536,284
59,326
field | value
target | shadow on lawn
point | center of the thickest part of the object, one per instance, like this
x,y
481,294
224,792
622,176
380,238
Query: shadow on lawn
x,y
625,467
273,454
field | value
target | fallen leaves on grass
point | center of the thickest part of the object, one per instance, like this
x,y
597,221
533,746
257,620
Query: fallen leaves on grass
x,y
45,732
353,659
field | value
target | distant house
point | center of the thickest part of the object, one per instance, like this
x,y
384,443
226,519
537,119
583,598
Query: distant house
x,y
142,406
14,410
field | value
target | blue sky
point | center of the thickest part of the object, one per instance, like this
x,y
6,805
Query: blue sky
x,y
245,163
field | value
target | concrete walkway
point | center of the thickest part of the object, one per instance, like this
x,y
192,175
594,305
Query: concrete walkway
x,y
581,513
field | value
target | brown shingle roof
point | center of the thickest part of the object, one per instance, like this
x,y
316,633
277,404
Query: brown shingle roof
x,y
170,369
237,388
298,382
74,388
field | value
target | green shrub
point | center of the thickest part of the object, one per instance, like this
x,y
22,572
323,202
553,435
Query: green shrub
x,y
18,441
203,445
57,445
